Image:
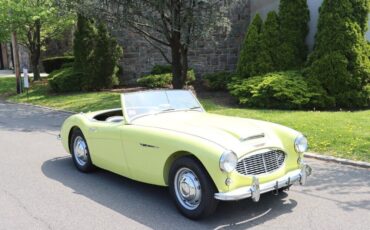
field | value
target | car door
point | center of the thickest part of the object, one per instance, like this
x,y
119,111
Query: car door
x,y
105,145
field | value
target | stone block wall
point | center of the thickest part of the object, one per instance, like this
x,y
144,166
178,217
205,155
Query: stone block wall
x,y
219,53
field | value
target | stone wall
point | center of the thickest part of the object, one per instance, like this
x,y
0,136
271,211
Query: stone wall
x,y
219,53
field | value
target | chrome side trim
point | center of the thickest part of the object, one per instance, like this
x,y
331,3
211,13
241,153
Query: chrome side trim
x,y
149,146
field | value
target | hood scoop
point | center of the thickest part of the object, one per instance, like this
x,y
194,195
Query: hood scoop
x,y
253,137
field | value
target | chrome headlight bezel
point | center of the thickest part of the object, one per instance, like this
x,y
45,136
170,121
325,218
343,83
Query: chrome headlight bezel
x,y
301,144
228,161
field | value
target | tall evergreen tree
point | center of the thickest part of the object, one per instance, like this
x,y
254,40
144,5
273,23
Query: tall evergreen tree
x,y
96,55
340,60
269,59
248,63
294,17
107,54
360,14
83,49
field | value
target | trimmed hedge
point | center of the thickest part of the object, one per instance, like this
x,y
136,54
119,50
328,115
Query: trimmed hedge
x,y
155,80
163,80
55,63
217,81
281,90
65,80
160,69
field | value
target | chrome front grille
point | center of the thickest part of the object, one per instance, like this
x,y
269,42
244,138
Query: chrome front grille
x,y
261,162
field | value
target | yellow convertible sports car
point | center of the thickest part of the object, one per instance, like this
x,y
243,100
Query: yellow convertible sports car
x,y
165,137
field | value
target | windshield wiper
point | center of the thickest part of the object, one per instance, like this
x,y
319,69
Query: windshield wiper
x,y
195,107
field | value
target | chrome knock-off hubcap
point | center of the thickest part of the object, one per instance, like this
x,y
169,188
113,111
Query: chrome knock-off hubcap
x,y
80,151
187,188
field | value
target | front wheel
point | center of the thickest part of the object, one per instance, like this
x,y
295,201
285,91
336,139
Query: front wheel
x,y
191,188
80,152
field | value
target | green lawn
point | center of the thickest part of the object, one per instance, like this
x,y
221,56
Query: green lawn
x,y
341,134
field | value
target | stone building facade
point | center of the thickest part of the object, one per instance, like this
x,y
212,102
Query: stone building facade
x,y
219,53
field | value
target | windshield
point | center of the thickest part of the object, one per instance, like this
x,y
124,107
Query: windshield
x,y
142,103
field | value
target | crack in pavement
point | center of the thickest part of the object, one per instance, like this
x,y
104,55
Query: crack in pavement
x,y
28,212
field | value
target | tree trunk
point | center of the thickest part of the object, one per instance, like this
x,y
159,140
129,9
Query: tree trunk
x,y
176,46
177,82
16,62
35,51
184,62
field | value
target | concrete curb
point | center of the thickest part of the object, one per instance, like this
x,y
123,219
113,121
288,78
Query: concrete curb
x,y
342,161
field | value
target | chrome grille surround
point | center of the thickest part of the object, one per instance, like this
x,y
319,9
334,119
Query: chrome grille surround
x,y
260,162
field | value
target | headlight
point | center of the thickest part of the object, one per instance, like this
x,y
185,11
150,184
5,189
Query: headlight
x,y
228,161
301,144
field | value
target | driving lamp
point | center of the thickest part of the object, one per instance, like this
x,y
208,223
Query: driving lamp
x,y
228,161
301,144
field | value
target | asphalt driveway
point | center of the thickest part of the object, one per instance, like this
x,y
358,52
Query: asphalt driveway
x,y
40,189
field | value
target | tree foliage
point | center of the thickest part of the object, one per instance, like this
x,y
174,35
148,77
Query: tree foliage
x,y
248,58
171,26
340,58
294,17
269,58
34,21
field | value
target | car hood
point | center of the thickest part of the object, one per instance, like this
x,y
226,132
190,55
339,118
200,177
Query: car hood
x,y
237,134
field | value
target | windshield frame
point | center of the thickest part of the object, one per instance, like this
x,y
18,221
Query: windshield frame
x,y
129,120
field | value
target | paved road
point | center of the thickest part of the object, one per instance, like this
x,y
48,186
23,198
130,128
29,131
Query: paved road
x,y
6,73
40,189
9,73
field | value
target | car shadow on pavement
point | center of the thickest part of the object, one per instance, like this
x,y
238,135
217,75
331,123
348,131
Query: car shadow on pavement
x,y
152,205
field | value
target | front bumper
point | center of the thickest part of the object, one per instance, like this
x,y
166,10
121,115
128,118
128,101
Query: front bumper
x,y
254,191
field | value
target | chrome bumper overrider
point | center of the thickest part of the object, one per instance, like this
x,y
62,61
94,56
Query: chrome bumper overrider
x,y
254,191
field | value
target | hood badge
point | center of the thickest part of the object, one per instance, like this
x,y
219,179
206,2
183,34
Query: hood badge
x,y
257,136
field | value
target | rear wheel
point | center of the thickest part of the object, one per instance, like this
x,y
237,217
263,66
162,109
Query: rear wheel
x,y
192,189
80,151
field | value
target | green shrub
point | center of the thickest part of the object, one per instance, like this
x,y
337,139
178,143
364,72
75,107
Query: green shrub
x,y
190,77
155,80
68,64
55,63
218,80
160,69
281,90
162,80
65,80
